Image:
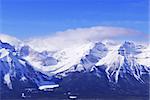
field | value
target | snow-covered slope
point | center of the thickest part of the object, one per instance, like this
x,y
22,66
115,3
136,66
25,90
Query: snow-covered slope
x,y
143,58
60,61
16,71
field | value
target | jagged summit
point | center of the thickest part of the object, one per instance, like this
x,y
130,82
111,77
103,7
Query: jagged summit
x,y
121,60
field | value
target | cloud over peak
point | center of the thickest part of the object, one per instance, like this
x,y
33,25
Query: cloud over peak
x,y
98,32
81,35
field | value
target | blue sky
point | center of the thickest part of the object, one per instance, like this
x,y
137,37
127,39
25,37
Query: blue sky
x,y
27,18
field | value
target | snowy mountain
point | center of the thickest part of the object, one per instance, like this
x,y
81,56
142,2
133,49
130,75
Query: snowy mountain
x,y
123,59
116,66
17,72
86,57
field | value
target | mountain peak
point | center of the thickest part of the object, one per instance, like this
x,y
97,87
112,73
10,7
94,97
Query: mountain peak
x,y
11,40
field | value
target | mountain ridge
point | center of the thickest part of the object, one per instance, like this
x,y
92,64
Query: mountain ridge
x,y
109,62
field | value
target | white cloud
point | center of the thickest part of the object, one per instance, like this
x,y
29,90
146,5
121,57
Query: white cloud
x,y
77,36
